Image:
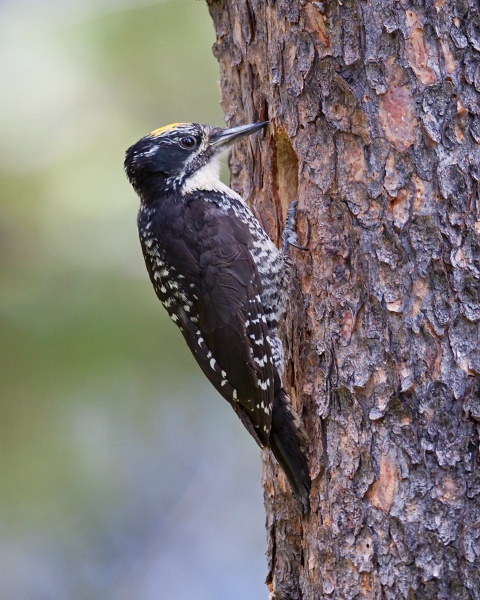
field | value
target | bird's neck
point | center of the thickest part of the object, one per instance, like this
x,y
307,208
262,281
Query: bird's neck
x,y
207,179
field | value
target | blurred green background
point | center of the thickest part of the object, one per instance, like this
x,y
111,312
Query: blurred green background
x,y
123,474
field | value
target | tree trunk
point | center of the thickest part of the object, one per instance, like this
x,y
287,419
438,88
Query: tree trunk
x,y
375,126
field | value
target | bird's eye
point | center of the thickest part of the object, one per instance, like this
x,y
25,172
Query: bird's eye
x,y
188,142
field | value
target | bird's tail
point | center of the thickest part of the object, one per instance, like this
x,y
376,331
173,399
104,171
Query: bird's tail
x,y
288,442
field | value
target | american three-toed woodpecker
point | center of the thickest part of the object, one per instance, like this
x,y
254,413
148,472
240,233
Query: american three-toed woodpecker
x,y
221,279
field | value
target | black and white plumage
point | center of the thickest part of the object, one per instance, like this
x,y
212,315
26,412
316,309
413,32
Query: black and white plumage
x,y
221,279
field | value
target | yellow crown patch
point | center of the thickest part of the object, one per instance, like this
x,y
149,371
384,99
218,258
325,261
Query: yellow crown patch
x,y
161,130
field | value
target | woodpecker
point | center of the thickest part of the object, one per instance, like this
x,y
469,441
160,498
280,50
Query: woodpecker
x,y
221,279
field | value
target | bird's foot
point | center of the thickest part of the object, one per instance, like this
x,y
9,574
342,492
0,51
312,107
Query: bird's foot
x,y
289,235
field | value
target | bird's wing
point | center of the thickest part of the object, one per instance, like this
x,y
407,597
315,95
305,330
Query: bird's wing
x,y
217,305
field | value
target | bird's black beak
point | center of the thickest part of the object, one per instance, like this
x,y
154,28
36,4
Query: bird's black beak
x,y
225,137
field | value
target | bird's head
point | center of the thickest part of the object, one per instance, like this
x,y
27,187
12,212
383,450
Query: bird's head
x,y
181,157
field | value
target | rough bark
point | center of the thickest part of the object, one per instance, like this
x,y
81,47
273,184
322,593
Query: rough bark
x,y
375,126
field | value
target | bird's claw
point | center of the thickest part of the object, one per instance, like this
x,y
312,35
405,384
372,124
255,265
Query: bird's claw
x,y
289,235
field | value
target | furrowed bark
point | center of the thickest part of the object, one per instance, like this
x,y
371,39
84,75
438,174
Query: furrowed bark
x,y
375,128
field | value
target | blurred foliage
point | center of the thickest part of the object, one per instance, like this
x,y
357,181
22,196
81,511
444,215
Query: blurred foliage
x,y
122,473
